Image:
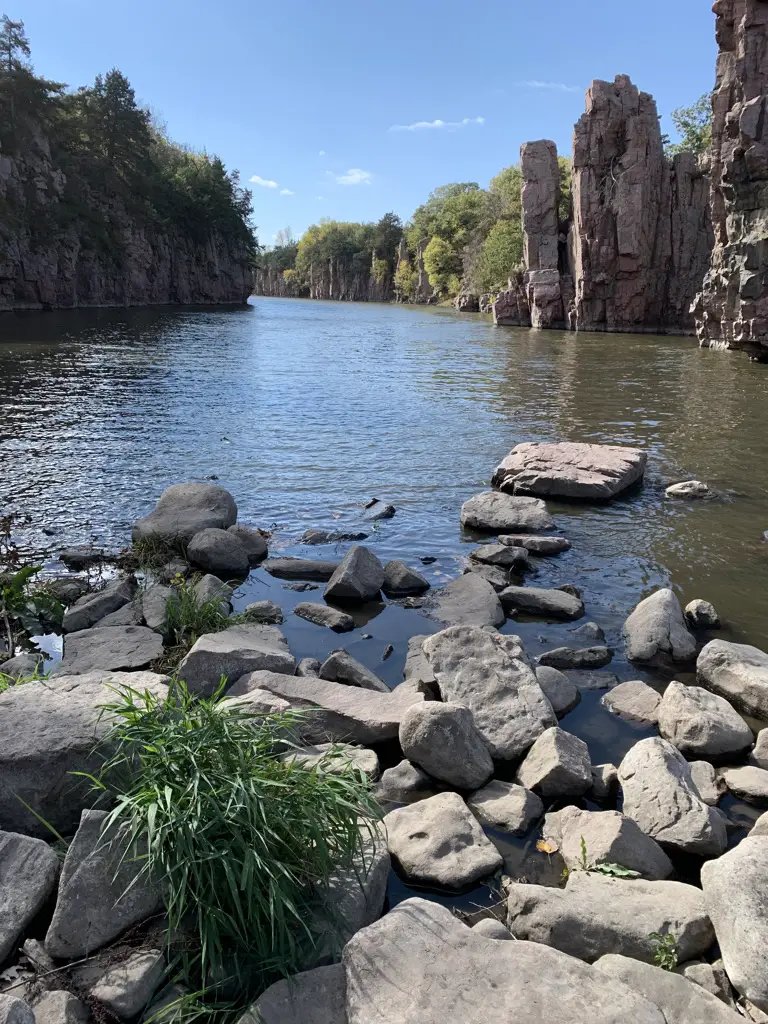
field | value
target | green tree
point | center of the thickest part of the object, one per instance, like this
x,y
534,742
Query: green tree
x,y
694,126
442,263
564,202
502,251
405,280
14,45
118,127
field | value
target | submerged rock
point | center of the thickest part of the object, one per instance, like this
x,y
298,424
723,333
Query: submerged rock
x,y
503,513
468,600
576,657
184,510
541,602
690,490
286,568
656,634
536,545
569,470
324,615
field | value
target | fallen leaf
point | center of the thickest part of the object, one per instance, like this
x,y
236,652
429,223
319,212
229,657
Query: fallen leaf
x,y
547,846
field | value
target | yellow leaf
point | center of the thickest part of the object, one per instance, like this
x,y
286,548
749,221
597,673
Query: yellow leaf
x,y
546,846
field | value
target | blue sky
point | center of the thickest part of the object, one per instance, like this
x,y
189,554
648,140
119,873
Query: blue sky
x,y
302,96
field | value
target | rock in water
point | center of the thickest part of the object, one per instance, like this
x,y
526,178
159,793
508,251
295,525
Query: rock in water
x,y
577,657
702,615
748,783
506,806
568,470
255,543
610,838
110,648
443,740
539,198
323,615
184,510
507,556
541,602
561,693
557,765
468,600
737,672
536,545
359,577
503,513
341,667
300,568
690,490
219,552
401,581
232,653
656,634
635,701
701,724
264,613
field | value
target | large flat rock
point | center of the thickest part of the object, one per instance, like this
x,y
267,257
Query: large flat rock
x,y
610,838
541,603
470,600
737,672
110,648
287,568
233,653
565,469
494,512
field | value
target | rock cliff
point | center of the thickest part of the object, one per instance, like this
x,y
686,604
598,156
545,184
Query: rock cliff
x,y
732,309
540,192
331,280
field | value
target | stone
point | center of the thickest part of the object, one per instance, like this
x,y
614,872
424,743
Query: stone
x,y
109,648
359,577
759,755
748,783
736,892
312,997
506,806
87,610
127,988
209,587
605,782
28,872
439,842
266,613
589,631
591,472
655,632
690,490
557,765
60,1007
308,667
417,668
587,680
67,589
680,1000
539,199
492,928
260,702
101,893
23,666
701,724
154,606
494,512
442,739
610,838
234,652
15,1011
737,672
711,977
220,553
324,615
561,693
635,701
130,614
336,759
421,964
184,510
341,667
468,600
488,673
535,545
540,602
576,657
300,568
173,570
404,784
168,1007
254,542
596,914
493,574
313,537
704,778
400,580
378,511
83,557
503,555
660,796
335,711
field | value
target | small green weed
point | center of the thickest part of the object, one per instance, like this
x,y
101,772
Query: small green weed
x,y
6,681
664,950
604,868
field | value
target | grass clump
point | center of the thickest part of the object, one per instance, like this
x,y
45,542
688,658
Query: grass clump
x,y
240,840
7,681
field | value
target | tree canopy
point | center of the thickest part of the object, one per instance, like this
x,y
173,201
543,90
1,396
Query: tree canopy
x,y
694,126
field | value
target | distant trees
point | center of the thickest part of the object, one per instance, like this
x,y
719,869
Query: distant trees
x,y
694,125
14,46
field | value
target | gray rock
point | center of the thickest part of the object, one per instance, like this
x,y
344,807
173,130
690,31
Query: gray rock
x,y
260,702
501,513
23,666
701,724
737,672
442,739
404,784
748,783
67,589
702,615
759,755
566,469
468,600
209,587
109,648
610,838
690,490
439,842
711,977
359,577
101,892
736,892
400,580
174,569
15,1011
489,674
312,997
87,610
536,545
586,680
308,667
313,537
491,928
336,759
660,796
557,765
266,613
130,614
300,568
60,1007
704,778
421,964
596,914
254,542
184,510
506,806
220,553
605,782
168,1008
83,557
154,606
417,668
590,631
576,657
561,693
655,633
635,701
378,511
540,602
127,988
324,615
503,555
338,711
493,574
234,652
681,1001
341,667
28,872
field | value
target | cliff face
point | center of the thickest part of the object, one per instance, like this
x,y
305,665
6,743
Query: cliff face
x,y
99,253
732,309
329,281
539,199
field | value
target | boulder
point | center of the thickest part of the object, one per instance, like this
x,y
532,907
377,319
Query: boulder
x,y
576,657
23,666
60,1007
220,553
561,693
748,783
690,490
504,556
173,570
324,615
596,914
266,613
209,587
443,740
28,872
341,667
736,894
286,568
468,600
308,667
605,783
659,794
540,602
90,608
312,997
417,668
378,510
493,574
130,614
234,652
491,928
254,542
260,702
711,977
494,512
590,632
557,765
737,672
590,472
109,648
102,891
421,964
184,510
609,837
587,680
701,724
15,1011
67,589
704,778
313,537
400,580
439,842
655,633
506,806
702,615
83,557
335,758
635,701
404,784
680,1000
154,606
488,673
759,755
536,545
359,577
126,988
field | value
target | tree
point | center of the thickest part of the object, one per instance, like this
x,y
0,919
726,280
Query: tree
x,y
14,45
284,237
694,125
442,263
564,201
117,126
502,251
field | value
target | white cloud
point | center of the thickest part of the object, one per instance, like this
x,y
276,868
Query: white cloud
x,y
557,86
354,176
286,192
264,182
418,125
319,197
322,153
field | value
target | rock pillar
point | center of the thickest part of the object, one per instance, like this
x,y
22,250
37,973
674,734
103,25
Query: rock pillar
x,y
540,195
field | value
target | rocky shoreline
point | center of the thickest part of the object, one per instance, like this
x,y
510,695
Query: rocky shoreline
x,y
627,868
